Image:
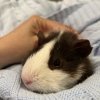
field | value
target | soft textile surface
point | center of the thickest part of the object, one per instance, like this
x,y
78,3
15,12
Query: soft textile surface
x,y
83,16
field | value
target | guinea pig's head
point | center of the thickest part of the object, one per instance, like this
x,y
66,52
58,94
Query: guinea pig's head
x,y
57,65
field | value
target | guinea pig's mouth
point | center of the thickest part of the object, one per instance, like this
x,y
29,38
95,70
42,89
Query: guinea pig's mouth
x,y
41,92
38,92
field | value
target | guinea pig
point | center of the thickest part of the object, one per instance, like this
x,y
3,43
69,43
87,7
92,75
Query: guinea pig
x,y
58,64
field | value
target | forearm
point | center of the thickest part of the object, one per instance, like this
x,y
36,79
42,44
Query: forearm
x,y
14,49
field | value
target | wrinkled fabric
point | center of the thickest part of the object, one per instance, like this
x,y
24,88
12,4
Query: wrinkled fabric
x,y
83,15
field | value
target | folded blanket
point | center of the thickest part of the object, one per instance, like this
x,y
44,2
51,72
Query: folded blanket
x,y
84,17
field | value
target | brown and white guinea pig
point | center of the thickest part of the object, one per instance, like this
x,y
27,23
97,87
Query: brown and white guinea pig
x,y
60,63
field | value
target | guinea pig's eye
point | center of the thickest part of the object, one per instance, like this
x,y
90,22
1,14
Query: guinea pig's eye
x,y
57,63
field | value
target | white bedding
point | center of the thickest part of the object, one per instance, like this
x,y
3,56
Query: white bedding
x,y
13,12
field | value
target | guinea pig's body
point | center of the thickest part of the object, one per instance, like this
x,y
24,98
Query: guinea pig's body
x,y
58,64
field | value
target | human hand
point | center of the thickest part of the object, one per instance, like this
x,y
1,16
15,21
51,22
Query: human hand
x,y
17,45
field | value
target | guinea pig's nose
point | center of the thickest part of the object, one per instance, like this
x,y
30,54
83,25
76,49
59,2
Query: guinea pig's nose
x,y
28,82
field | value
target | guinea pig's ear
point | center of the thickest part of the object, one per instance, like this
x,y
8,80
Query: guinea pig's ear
x,y
82,48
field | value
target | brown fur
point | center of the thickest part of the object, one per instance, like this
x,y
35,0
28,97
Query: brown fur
x,y
69,53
